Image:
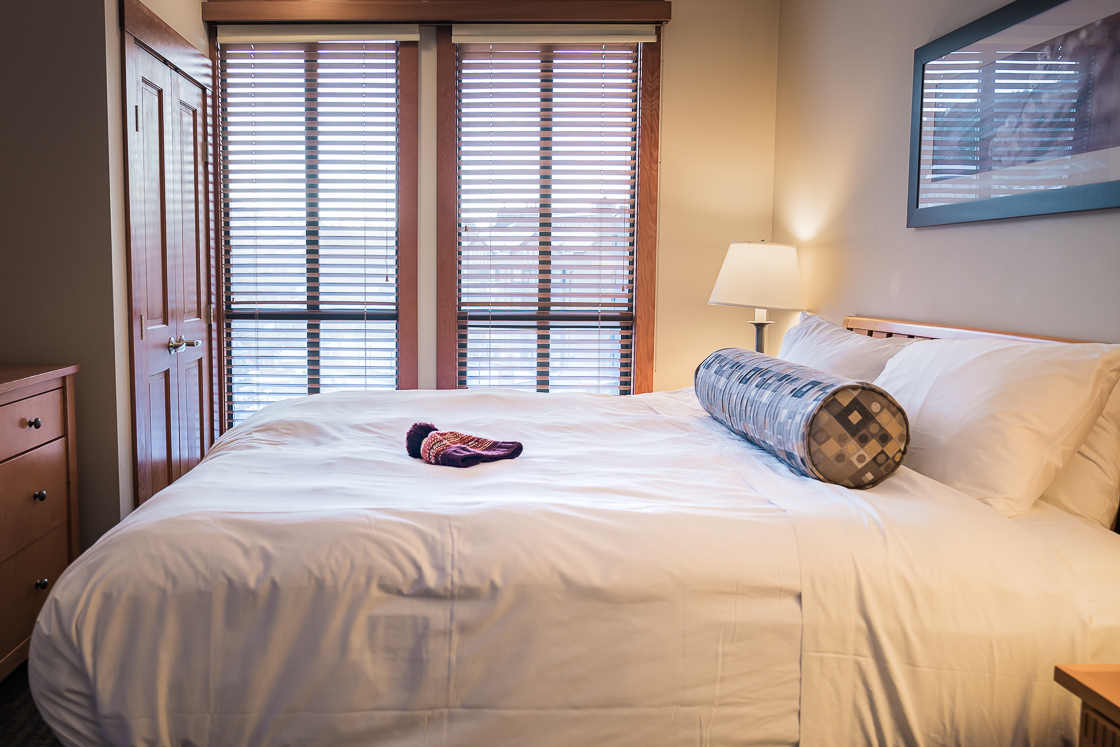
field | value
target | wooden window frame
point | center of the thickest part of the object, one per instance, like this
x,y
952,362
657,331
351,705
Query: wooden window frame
x,y
447,257
441,12
649,157
408,211
437,11
645,252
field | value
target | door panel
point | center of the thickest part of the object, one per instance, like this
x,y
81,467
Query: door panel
x,y
160,457
168,268
151,197
194,416
189,188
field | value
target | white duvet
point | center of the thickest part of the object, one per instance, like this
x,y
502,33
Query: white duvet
x,y
639,576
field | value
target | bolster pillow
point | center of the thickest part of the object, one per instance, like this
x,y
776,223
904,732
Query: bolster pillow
x,y
824,426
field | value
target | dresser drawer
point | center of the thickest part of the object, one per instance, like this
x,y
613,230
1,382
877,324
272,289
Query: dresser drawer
x,y
38,474
17,432
46,558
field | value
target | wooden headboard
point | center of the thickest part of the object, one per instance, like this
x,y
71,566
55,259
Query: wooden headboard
x,y
891,328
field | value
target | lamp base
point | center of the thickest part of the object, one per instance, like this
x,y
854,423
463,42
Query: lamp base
x,y
760,336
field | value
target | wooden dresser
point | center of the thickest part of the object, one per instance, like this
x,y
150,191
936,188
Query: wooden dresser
x,y
38,497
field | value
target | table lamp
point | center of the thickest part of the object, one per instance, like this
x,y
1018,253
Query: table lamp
x,y
761,276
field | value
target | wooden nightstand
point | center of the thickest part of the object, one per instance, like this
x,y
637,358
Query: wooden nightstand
x,y
1098,686
38,497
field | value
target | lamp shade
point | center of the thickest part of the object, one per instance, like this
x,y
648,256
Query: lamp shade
x,y
760,276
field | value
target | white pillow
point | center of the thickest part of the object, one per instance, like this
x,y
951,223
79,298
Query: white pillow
x,y
1089,485
820,344
997,419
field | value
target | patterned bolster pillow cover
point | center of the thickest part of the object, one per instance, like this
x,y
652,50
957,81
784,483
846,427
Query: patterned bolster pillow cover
x,y
827,427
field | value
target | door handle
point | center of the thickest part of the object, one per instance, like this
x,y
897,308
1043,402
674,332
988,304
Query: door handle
x,y
174,346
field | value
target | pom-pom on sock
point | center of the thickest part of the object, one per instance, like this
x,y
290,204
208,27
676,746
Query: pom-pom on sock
x,y
415,437
454,449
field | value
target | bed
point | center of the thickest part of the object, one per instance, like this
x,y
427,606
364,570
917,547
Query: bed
x,y
639,576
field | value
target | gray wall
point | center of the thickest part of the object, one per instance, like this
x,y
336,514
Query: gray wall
x,y
60,251
842,149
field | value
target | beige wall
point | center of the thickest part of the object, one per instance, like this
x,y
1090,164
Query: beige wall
x,y
717,170
844,92
122,353
185,16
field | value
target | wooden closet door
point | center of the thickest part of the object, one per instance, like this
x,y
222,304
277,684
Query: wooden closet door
x,y
169,278
155,400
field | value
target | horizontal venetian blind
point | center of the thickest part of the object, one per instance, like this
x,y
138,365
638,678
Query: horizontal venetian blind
x,y
309,201
546,177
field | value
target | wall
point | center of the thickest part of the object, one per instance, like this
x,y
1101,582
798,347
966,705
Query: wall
x,y
61,245
185,16
844,93
719,77
122,358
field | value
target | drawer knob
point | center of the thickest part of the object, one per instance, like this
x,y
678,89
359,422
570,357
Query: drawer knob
x,y
42,583
34,423
40,495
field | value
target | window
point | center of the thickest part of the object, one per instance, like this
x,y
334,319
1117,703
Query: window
x,y
550,160
314,245
551,230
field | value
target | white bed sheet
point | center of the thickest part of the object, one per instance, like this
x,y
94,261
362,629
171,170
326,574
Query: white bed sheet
x,y
1094,554
638,576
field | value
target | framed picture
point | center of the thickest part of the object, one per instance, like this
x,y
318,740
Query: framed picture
x,y
1018,113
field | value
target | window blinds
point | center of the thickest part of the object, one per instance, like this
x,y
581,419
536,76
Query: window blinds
x,y
309,201
546,179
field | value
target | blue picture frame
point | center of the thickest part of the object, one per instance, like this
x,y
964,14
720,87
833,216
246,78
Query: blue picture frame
x,y
1105,194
